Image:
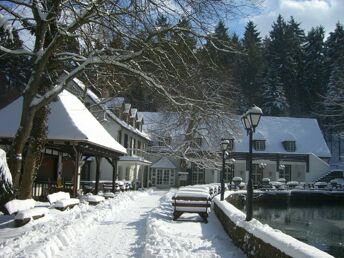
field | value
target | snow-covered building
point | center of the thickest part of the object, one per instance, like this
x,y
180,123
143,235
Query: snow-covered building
x,y
283,147
74,134
124,124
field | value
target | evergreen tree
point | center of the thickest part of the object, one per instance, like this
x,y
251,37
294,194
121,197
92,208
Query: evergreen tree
x,y
275,102
13,69
314,70
276,57
292,76
334,99
251,66
284,60
335,47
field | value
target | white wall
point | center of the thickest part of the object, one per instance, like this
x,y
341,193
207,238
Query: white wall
x,y
317,168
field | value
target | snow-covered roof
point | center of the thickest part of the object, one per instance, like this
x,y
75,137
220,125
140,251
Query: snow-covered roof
x,y
304,131
288,137
274,130
258,136
122,123
115,102
163,163
68,119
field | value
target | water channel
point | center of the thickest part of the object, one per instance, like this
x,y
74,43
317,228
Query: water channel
x,y
320,225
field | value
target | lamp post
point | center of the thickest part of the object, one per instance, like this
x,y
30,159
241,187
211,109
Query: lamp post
x,y
231,162
250,121
224,146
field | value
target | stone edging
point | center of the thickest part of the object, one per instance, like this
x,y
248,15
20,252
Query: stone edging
x,y
250,244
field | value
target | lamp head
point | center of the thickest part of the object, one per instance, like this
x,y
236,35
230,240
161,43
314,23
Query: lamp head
x,y
224,144
246,121
254,114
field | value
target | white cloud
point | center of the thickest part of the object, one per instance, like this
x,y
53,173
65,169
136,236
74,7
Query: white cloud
x,y
310,13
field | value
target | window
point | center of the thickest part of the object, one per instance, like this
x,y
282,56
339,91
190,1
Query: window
x,y
198,175
166,177
285,173
259,145
127,174
229,172
120,137
159,177
125,140
257,174
289,146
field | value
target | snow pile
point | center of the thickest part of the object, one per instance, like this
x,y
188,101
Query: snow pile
x,y
276,238
168,238
94,198
5,175
58,231
27,214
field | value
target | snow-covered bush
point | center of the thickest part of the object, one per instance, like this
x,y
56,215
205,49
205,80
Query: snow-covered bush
x,y
5,181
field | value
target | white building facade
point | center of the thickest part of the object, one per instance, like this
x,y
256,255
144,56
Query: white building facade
x,y
283,147
124,124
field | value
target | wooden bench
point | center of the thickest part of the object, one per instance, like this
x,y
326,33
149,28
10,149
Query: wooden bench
x,y
191,202
107,187
62,201
93,199
24,210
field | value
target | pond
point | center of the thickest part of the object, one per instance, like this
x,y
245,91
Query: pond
x,y
320,225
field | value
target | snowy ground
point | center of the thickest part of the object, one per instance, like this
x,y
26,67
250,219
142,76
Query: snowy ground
x,y
133,224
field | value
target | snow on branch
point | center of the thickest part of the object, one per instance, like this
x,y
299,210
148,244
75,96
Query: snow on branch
x,y
17,51
6,26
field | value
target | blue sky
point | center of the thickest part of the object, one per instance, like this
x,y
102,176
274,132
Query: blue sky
x,y
310,13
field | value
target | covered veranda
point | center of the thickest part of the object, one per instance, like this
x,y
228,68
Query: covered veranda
x,y
74,135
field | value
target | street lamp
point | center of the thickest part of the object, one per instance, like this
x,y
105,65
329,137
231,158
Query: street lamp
x,y
250,121
224,146
231,162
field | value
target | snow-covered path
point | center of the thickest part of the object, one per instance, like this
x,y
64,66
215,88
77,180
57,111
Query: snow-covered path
x,y
120,234
133,224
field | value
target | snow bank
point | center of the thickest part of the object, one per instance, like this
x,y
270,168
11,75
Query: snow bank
x,y
66,202
94,198
276,238
5,174
58,231
27,214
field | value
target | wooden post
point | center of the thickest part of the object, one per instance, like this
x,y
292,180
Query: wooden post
x,y
98,159
76,178
114,173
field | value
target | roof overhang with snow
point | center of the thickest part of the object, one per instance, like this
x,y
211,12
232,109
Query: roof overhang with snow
x,y
164,163
70,125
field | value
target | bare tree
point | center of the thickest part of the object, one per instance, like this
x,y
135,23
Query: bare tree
x,y
52,23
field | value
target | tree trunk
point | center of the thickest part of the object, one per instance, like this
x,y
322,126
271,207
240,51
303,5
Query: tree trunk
x,y
16,150
33,154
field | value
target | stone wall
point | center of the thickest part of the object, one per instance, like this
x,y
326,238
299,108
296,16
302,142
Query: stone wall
x,y
251,245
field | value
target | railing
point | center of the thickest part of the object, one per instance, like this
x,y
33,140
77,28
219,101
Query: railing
x,y
136,152
41,189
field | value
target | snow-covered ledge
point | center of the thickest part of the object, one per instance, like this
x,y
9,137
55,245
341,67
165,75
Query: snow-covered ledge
x,y
260,240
